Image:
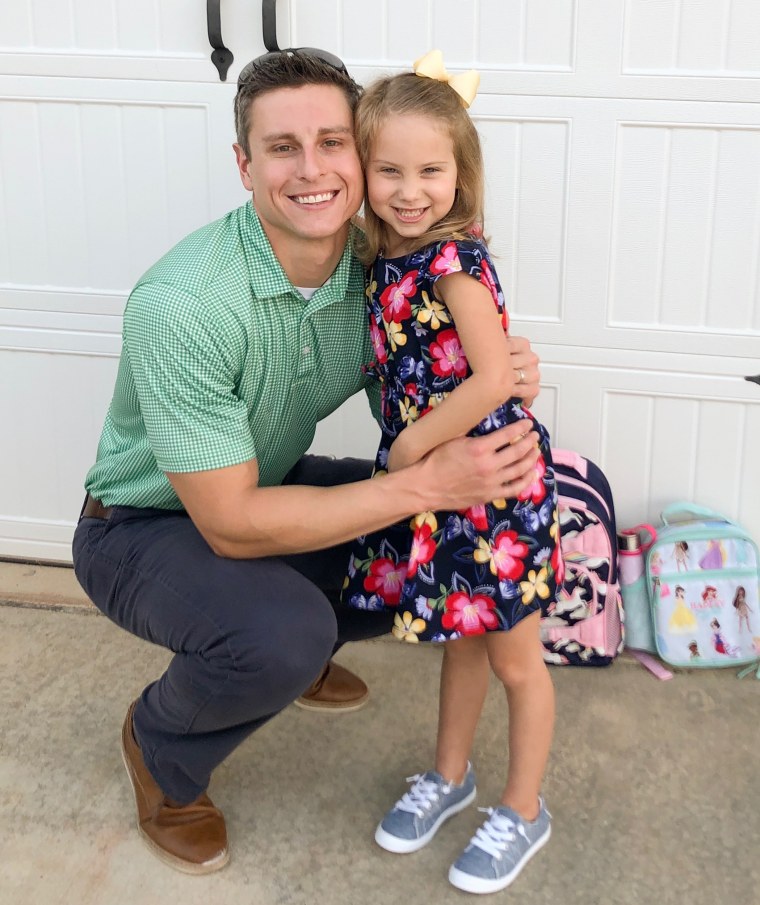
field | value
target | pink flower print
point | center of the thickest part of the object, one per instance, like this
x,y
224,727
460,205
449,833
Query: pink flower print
x,y
535,491
447,260
469,615
477,515
507,555
449,355
423,549
377,343
486,278
395,298
386,578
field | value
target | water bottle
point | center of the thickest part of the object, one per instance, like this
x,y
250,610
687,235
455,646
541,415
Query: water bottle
x,y
633,544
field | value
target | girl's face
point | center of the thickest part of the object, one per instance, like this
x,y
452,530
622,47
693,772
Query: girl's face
x,y
411,178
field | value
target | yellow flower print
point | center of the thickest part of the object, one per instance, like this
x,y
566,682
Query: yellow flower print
x,y
483,553
371,289
395,334
424,518
406,628
408,411
499,504
535,585
433,311
554,529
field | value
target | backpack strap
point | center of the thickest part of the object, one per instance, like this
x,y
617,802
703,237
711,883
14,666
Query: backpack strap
x,y
570,459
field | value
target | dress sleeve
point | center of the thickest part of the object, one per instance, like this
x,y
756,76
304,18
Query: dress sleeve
x,y
468,257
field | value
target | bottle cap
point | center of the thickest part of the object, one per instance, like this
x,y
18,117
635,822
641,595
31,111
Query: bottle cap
x,y
629,540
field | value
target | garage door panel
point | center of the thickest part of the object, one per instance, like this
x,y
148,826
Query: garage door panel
x,y
99,188
692,36
664,436
687,226
59,401
526,185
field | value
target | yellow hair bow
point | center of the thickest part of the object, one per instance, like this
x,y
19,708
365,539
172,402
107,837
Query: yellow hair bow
x,y
465,83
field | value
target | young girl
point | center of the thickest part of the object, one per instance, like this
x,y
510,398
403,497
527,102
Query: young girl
x,y
473,579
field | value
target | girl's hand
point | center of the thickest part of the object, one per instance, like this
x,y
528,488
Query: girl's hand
x,y
400,454
524,362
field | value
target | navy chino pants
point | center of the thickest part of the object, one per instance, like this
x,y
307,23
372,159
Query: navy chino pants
x,y
248,635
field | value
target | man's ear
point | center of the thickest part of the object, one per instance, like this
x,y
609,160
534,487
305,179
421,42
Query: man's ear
x,y
244,166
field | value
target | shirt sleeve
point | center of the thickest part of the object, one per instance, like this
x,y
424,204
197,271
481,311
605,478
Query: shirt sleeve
x,y
373,390
186,372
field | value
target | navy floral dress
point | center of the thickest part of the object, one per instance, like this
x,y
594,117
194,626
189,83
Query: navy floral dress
x,y
448,574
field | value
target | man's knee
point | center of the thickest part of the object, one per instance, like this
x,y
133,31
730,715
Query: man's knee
x,y
282,656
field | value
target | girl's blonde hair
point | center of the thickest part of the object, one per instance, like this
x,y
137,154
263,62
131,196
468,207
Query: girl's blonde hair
x,y
413,94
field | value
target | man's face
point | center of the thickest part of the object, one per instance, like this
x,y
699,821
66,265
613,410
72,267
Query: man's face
x,y
303,169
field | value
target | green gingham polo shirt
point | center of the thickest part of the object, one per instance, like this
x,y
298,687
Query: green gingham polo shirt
x,y
223,361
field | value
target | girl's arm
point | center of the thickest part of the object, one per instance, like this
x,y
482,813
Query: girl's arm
x,y
490,384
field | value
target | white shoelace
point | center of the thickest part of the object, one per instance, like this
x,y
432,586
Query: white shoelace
x,y
420,797
496,833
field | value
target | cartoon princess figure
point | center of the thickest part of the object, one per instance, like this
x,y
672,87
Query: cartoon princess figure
x,y
681,553
719,642
714,557
694,653
710,597
682,620
742,608
655,567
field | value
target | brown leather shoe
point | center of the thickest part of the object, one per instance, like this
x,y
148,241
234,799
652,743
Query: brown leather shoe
x,y
192,838
335,690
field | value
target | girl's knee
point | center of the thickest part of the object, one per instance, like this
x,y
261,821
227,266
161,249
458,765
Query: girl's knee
x,y
518,674
517,664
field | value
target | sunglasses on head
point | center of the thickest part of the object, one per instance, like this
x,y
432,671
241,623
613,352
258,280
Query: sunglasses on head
x,y
324,55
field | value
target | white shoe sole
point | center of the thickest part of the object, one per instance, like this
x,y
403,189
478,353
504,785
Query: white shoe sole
x,y
400,846
318,707
479,885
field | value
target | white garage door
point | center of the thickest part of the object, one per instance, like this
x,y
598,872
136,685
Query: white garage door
x,y
622,140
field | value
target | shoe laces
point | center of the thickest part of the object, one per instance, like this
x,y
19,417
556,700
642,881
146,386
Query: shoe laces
x,y
496,833
421,797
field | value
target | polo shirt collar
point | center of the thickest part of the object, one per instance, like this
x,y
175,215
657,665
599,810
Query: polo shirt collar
x,y
268,279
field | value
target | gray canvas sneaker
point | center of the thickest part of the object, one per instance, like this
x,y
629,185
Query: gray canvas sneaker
x,y
500,849
416,817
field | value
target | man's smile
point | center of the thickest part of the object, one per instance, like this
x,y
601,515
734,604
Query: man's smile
x,y
313,199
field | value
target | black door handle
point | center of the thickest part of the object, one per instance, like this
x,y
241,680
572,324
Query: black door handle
x,y
269,24
221,57
753,378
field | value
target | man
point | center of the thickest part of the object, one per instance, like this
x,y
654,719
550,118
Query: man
x,y
205,528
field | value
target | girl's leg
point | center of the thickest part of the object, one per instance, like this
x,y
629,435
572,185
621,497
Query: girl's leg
x,y
516,658
464,683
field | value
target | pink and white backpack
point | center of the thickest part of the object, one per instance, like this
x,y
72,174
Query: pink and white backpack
x,y
584,626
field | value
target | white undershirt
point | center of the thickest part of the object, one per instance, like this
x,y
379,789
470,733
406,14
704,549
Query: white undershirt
x,y
307,291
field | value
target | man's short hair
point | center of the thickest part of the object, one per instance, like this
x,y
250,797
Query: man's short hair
x,y
287,69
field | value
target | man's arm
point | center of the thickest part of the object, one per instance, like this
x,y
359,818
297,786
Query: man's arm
x,y
241,520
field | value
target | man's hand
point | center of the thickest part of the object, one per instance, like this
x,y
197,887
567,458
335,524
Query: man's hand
x,y
524,362
472,470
